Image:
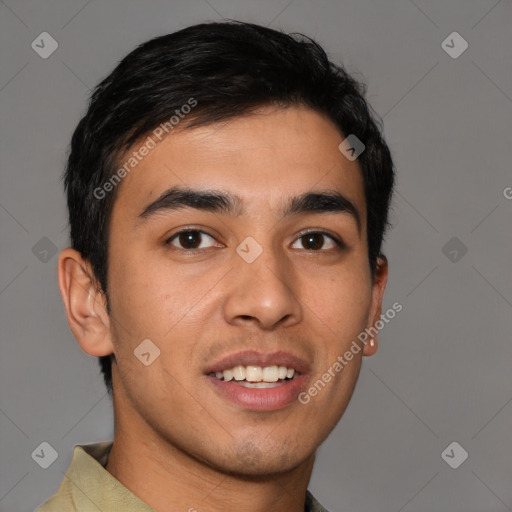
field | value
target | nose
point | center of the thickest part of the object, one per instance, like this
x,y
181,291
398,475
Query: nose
x,y
263,293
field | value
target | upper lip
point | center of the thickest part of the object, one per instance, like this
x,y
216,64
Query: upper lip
x,y
253,357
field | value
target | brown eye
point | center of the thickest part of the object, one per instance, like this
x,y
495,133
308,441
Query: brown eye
x,y
189,239
315,241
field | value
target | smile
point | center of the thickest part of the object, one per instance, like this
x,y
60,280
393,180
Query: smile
x,y
258,388
254,374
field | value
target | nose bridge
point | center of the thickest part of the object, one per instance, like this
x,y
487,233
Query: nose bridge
x,y
263,285
268,270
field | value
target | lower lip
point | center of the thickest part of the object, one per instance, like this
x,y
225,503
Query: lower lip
x,y
263,399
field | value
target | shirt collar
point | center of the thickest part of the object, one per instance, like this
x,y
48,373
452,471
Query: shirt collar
x,y
88,482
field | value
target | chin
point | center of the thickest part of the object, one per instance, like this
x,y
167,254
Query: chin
x,y
253,460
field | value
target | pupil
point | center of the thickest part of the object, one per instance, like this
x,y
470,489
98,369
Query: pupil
x,y
190,238
311,238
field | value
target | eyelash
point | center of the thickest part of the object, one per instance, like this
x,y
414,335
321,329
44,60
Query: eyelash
x,y
339,244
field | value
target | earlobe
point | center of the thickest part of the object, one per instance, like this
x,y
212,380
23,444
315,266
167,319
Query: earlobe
x,y
84,303
379,285
371,346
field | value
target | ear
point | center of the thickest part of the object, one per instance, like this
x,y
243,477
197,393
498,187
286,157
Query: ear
x,y
85,304
379,285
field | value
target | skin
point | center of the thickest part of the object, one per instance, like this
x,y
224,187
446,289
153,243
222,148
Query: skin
x,y
177,443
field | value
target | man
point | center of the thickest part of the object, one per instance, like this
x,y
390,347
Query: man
x,y
228,193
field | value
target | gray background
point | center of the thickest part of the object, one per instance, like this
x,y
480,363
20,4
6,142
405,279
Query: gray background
x,y
442,372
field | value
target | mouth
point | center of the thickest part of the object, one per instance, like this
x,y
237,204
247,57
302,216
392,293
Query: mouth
x,y
259,382
257,377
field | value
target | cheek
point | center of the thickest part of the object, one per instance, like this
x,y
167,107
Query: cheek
x,y
156,300
145,295
341,300
340,311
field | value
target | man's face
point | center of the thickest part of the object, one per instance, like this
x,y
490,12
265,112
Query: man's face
x,y
199,300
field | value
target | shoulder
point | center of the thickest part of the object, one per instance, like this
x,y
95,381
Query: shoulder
x,y
61,500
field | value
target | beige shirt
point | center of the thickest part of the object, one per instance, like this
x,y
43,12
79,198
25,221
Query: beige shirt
x,y
89,487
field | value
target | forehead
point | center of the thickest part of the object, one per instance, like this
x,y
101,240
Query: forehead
x,y
260,158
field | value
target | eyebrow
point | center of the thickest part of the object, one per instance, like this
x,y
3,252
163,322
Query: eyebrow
x,y
215,201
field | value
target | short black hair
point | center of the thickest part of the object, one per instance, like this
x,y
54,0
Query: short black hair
x,y
228,69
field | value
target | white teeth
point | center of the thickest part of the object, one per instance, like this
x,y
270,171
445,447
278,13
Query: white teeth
x,y
239,373
254,374
270,374
228,375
